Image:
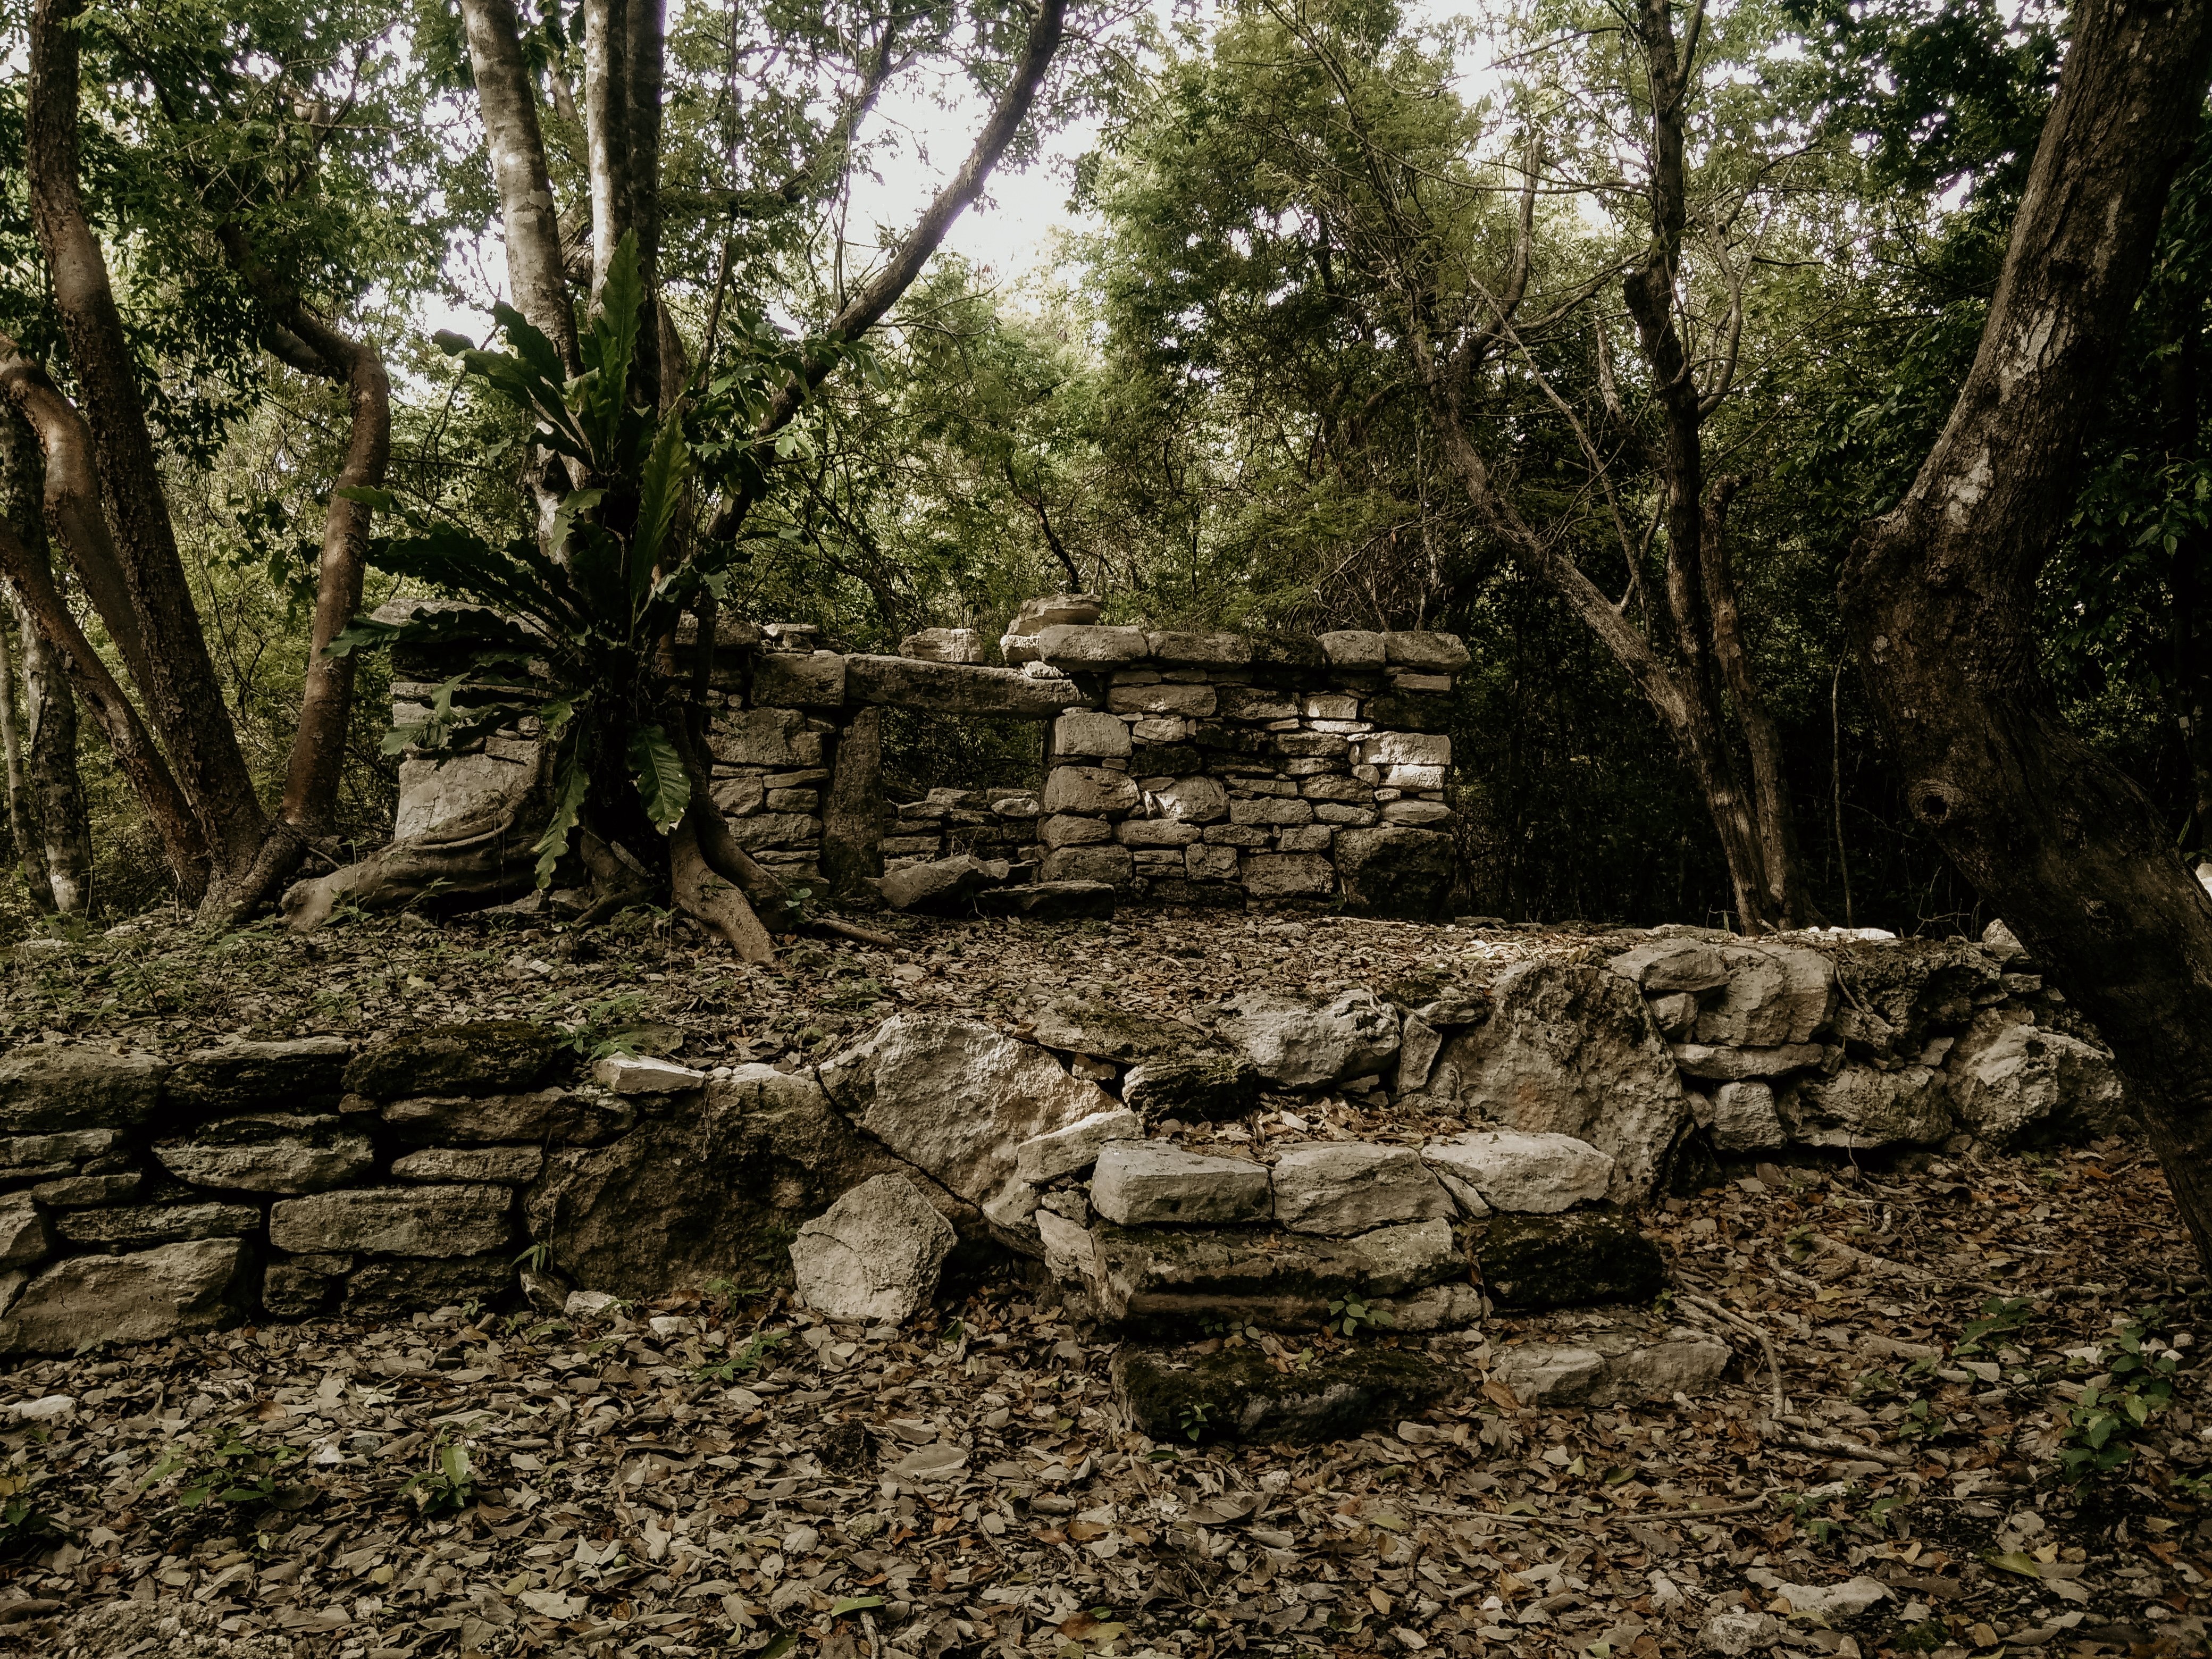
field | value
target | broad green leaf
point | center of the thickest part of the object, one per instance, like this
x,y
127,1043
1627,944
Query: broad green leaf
x,y
662,782
529,344
567,803
665,469
382,500
609,346
846,1604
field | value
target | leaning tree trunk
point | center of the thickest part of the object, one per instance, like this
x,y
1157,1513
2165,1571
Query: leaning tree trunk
x,y
1939,592
57,790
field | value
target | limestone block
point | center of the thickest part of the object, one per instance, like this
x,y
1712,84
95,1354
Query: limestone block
x,y
1721,1064
414,1221
1144,1183
1525,1173
554,1117
507,1166
1348,1187
873,1256
1775,994
1086,731
765,830
1439,653
956,1098
86,1191
2009,1079
1288,875
764,736
941,886
793,679
1582,1259
1154,1277
1336,787
473,1056
1252,702
1671,964
1233,1394
381,1290
1740,1116
1066,830
1110,865
1406,749
1860,1108
643,1075
21,1155
1195,701
47,1087
1065,1151
1087,647
1418,813
740,795
943,645
1390,870
1199,650
1156,832
1270,809
1189,801
269,1152
143,1297
24,1240
1210,863
1305,838
1355,649
1412,777
947,688
1093,791
159,1224
1303,1044
246,1074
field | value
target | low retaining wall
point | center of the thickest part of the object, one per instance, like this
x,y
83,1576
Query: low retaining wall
x,y
1166,1172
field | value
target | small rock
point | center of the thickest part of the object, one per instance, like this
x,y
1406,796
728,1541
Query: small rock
x,y
24,1239
1736,1631
1300,1044
589,1304
1066,1151
1826,1603
640,1075
1140,1183
874,1255
50,1408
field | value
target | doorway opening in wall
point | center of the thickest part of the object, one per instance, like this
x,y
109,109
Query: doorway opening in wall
x,y
961,783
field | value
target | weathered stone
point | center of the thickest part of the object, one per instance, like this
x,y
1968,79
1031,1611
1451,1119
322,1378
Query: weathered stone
x,y
1189,801
378,1290
1861,1109
643,1075
2001,942
1156,832
1355,649
1671,964
1110,865
1776,994
560,1117
1582,1259
942,886
948,687
23,1154
1733,1632
1050,900
1056,610
1065,1151
1441,653
874,1255
159,1224
84,1192
1085,646
269,1152
1192,701
2011,1079
292,1292
1348,1187
454,794
1205,1085
1067,830
1416,812
1687,1362
1548,1373
955,1098
512,1166
1302,1045
1090,791
1720,1064
46,1087
1418,1045
1471,1203
296,1073
700,1195
1085,733
1152,1277
1270,810
1394,870
799,679
201,1285
853,815
1571,1050
964,645
1287,875
412,1221
1531,1173
477,1057
1405,749
24,1239
1143,1183
1901,992
1236,1394
1199,650
775,829
1089,1024
1740,1116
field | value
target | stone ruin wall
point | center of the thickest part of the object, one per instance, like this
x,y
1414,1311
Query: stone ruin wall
x,y
1178,767
1510,1134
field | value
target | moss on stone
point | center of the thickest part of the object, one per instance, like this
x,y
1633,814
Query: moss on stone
x,y
1234,1393
474,1057
1585,1258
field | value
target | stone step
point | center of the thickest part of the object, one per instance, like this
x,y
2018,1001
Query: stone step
x,y
1235,1394
1608,1368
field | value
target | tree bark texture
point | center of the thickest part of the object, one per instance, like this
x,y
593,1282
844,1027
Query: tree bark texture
x,y
1939,593
517,146
27,848
57,790
183,696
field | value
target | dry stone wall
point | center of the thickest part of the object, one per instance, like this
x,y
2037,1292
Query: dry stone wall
x,y
1422,1149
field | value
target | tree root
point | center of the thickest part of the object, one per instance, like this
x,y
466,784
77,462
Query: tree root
x,y
486,865
849,930
705,895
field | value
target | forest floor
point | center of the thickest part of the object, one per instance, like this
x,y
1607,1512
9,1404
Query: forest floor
x,y
732,1475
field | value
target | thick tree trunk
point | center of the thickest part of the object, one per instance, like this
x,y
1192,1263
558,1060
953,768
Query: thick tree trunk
x,y
517,145
607,130
28,848
183,696
57,790
1939,592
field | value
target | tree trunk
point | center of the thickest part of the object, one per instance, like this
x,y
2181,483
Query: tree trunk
x,y
56,791
517,146
29,851
607,130
1939,592
183,696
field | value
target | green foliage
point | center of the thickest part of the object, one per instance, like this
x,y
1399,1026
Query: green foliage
x,y
743,1361
237,1471
2104,1424
448,1483
1348,1314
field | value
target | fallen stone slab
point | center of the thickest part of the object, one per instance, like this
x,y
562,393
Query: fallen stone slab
x,y
874,1255
488,1056
1571,1050
955,1098
1050,901
1156,1278
412,1221
1066,1151
201,1285
142,1224
1610,1368
643,1075
1527,1173
1146,1184
1302,1045
1235,1395
300,1074
941,886
1342,1188
559,1117
46,1088
269,1152
1586,1258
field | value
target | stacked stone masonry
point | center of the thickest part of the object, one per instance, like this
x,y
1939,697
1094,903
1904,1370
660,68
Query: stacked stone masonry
x,y
142,1195
1185,768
